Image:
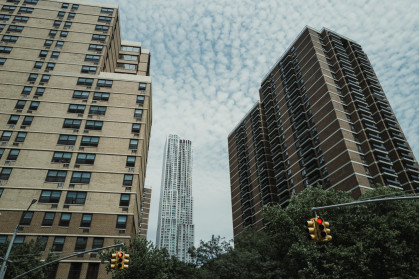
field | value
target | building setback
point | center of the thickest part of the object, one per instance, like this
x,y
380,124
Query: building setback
x,y
75,120
175,230
323,119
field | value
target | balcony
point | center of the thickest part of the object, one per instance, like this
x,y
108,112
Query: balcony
x,y
398,136
379,147
389,117
381,100
392,126
370,127
414,177
367,117
392,182
406,156
402,146
384,159
375,138
411,167
388,171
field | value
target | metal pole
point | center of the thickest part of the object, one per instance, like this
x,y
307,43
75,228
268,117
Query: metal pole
x,y
366,201
3,266
63,258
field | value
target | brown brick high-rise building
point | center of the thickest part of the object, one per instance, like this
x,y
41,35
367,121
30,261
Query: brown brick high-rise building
x,y
323,118
75,120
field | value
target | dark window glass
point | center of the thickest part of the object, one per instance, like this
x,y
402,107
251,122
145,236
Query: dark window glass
x,y
102,28
142,86
92,58
86,220
136,128
104,83
48,43
67,139
43,53
60,14
55,54
72,123
65,219
8,8
71,16
130,161
121,222
33,2
85,81
75,197
5,136
56,176
59,44
104,19
85,158
76,108
15,28
50,67
106,10
97,110
64,6
52,33
13,154
2,61
98,242
10,39
5,173
21,136
138,113
64,34
75,270
67,24
26,218
38,65
127,180
81,243
48,219
140,100
133,144
84,95
34,105
93,125
124,201
81,177
45,78
100,96
89,141
97,37
40,91
32,77
1,155
27,121
95,47
57,23
13,119
58,243
75,7
44,241
88,69
61,157
23,19
19,239
20,104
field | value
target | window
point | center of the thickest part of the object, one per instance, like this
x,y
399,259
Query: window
x,y
130,48
15,28
5,49
27,121
133,144
64,34
84,95
50,66
4,17
106,10
359,147
65,219
102,28
104,83
128,57
26,218
6,136
19,239
94,47
67,24
97,242
81,243
43,240
48,219
126,66
43,53
23,19
75,198
85,81
1,27
1,155
97,110
2,61
76,108
136,128
40,91
34,2
75,270
20,137
121,222
45,78
67,139
64,6
8,8
127,180
55,54
100,96
38,65
56,176
104,19
32,77
57,23
124,201
97,37
130,161
81,177
142,86
140,100
13,154
61,14
3,239
88,69
75,7
61,157
5,173
138,113
89,141
52,33
59,45
92,58
86,220
58,243
85,158
34,105
93,125
13,119
71,16
72,123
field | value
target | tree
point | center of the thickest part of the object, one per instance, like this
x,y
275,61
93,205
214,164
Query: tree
x,y
146,261
26,256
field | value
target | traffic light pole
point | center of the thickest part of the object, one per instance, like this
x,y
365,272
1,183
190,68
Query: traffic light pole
x,y
361,202
72,255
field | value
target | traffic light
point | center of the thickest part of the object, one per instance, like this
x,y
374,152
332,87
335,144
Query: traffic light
x,y
312,230
324,230
117,261
125,261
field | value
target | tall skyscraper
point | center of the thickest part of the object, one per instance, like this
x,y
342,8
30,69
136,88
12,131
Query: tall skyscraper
x,y
323,119
175,230
75,119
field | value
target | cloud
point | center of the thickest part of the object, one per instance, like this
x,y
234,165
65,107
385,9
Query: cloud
x,y
208,59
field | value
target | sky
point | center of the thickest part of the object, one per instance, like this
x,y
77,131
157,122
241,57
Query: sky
x,y
208,59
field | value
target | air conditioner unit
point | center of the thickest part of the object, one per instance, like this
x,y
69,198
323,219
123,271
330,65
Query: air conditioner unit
x,y
1,182
29,111
66,165
15,144
12,126
76,130
54,205
86,230
35,97
61,184
122,231
76,166
80,115
124,208
86,131
136,134
128,189
18,110
71,185
90,116
7,162
81,148
4,143
66,206
71,147
130,169
134,151
93,255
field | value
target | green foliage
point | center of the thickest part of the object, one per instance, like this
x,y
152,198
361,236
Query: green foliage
x,y
25,257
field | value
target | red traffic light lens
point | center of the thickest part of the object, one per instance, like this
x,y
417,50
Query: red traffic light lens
x,y
120,254
319,220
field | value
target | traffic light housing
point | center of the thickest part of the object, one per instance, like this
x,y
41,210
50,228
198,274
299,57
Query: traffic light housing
x,y
125,261
117,261
312,229
324,230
